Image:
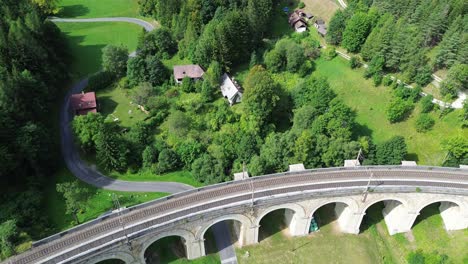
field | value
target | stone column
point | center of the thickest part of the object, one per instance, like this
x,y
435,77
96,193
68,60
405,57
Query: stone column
x,y
397,217
195,248
248,235
348,221
453,216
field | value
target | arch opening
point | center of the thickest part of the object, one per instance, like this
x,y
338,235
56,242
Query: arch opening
x,y
446,212
221,235
331,216
166,250
276,222
390,211
111,261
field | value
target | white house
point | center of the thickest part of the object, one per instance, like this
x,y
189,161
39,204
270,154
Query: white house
x,y
230,90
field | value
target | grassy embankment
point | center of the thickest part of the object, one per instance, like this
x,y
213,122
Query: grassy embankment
x,y
373,245
100,201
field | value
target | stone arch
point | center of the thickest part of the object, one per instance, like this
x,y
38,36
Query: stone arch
x,y
297,221
345,208
454,212
120,255
187,236
243,230
395,212
244,220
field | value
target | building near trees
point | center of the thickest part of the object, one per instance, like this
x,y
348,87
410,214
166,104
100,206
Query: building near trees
x,y
231,89
321,28
83,103
297,22
194,72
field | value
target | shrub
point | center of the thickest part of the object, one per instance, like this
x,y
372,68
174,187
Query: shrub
x,y
387,80
377,78
426,104
301,5
329,53
398,109
424,123
100,80
167,161
354,62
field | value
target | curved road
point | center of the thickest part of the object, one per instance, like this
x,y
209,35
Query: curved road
x,y
146,25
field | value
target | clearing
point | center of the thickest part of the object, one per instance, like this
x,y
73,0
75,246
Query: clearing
x,y
87,40
98,8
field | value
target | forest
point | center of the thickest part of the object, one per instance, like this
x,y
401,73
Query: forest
x,y
414,38
33,67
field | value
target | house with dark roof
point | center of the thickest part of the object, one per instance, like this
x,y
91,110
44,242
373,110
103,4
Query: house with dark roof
x,y
305,15
297,22
83,103
231,89
194,72
321,27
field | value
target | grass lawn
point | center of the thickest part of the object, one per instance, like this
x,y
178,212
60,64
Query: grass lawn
x,y
100,201
116,102
321,8
177,176
98,8
86,41
373,245
370,102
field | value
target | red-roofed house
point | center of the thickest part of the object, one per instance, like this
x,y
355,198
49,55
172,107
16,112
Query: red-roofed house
x,y
194,72
83,103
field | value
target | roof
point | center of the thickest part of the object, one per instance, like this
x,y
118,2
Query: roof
x,y
303,13
191,71
83,101
294,18
228,88
320,22
322,30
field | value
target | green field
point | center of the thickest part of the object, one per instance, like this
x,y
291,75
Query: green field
x,y
370,103
372,246
86,41
98,8
99,202
116,103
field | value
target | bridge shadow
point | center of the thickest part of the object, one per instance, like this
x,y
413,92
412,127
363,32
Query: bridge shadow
x,y
373,216
165,250
426,212
111,261
72,11
272,225
325,216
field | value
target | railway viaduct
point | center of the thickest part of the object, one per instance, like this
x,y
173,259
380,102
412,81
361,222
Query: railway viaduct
x,y
126,234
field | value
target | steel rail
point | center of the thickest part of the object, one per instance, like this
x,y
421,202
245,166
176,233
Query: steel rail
x,y
102,231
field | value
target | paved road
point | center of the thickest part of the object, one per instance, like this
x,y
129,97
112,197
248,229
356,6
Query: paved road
x,y
146,25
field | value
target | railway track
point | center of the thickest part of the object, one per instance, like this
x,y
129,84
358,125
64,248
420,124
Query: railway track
x,y
163,211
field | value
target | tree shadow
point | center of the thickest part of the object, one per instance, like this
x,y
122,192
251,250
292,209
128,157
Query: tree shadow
x,y
73,11
106,105
412,156
87,59
360,130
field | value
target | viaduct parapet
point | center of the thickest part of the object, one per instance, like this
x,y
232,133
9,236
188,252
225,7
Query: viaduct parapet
x,y
126,235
